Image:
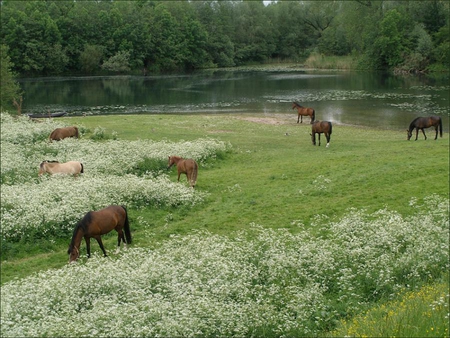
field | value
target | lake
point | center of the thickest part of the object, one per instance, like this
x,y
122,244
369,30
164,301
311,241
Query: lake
x,y
354,98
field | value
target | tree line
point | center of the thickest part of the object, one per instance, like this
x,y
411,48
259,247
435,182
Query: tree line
x,y
59,36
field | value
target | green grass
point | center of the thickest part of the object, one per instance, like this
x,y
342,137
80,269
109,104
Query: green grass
x,y
421,313
268,178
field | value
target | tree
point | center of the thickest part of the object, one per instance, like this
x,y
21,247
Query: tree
x,y
11,93
120,62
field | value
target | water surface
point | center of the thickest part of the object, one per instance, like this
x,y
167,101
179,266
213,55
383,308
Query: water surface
x,y
367,99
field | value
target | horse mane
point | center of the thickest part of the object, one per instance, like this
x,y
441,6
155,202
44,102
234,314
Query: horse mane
x,y
298,104
81,225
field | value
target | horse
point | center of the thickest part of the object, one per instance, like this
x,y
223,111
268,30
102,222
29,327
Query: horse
x,y
304,111
62,133
54,167
425,122
185,166
97,223
320,127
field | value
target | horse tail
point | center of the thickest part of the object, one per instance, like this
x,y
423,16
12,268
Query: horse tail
x,y
440,126
313,117
194,174
127,226
331,127
76,132
82,168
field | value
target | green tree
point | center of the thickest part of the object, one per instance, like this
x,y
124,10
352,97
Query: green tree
x,y
90,58
11,93
391,43
120,62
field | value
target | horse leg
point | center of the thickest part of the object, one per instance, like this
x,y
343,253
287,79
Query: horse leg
x,y
328,139
298,118
99,241
417,133
436,132
88,246
319,139
423,132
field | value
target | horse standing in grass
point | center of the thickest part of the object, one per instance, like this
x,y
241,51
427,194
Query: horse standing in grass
x,y
321,127
62,133
97,223
54,167
304,111
425,122
185,166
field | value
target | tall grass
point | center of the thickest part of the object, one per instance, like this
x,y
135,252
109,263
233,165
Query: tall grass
x,y
419,313
320,61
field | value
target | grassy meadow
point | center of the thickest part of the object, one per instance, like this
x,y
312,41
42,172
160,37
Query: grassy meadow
x,y
279,237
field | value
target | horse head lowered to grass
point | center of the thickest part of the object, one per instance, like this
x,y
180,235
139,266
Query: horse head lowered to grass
x,y
321,127
425,122
62,133
97,223
185,166
54,167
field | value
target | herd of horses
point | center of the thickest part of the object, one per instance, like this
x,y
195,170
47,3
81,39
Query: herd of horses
x,y
325,127
94,224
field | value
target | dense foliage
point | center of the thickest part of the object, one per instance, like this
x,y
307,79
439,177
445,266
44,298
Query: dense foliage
x,y
88,37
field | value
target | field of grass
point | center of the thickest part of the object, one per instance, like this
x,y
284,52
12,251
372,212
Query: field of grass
x,y
274,179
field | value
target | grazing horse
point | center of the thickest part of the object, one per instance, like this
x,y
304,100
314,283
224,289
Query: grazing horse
x,y
320,127
185,166
425,122
54,167
304,111
62,133
97,223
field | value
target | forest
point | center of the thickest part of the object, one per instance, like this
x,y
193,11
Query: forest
x,y
61,37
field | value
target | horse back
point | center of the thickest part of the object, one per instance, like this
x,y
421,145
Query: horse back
x,y
61,133
104,220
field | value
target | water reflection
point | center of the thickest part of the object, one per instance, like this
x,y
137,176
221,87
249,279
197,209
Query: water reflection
x,y
369,99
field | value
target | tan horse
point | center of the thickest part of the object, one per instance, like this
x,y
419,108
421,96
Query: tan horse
x,y
62,133
304,111
54,167
185,166
97,223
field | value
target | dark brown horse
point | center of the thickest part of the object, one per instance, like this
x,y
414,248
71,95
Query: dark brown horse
x,y
321,127
304,111
425,122
185,166
62,133
97,223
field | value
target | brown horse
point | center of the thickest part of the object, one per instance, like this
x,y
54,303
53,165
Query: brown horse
x,y
425,122
185,166
304,111
54,167
62,133
320,127
97,223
